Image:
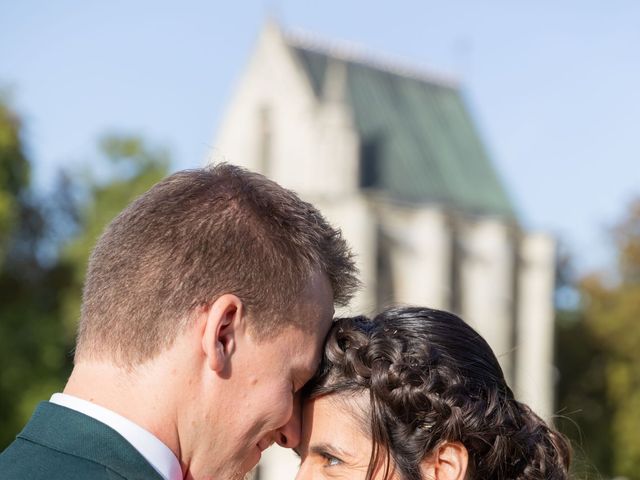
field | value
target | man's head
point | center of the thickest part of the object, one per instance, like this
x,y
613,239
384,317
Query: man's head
x,y
233,279
192,237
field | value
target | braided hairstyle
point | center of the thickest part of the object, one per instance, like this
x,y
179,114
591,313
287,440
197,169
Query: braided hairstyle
x,y
431,378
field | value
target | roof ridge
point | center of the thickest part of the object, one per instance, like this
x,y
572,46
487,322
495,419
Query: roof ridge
x,y
353,52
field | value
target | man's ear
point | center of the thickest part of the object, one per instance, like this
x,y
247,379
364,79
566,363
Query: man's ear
x,y
224,320
448,462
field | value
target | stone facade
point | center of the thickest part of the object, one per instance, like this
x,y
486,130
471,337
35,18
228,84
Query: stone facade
x,y
485,267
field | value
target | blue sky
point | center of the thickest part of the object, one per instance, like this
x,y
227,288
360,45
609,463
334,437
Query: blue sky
x,y
554,86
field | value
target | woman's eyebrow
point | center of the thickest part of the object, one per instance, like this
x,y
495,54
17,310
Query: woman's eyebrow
x,y
324,448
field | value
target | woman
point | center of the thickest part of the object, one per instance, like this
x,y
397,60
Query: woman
x,y
417,394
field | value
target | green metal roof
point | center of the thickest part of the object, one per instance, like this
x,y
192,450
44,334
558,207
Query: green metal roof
x,y
419,143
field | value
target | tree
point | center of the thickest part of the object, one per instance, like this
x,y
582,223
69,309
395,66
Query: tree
x,y
44,246
612,312
33,345
584,412
131,167
599,359
14,172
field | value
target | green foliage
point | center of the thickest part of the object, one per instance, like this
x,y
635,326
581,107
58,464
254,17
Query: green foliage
x,y
42,266
584,412
14,172
133,168
612,313
33,346
600,359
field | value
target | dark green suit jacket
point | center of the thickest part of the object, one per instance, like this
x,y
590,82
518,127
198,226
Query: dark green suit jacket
x,y
60,443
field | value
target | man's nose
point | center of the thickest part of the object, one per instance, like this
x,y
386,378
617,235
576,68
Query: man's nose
x,y
288,435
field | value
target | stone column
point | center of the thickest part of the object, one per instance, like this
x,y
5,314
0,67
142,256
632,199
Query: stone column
x,y
534,352
420,255
487,286
354,216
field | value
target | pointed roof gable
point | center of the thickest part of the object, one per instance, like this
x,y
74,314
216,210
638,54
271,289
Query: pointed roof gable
x,y
419,143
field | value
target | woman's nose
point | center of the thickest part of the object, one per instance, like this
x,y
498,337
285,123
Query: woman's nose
x,y
303,472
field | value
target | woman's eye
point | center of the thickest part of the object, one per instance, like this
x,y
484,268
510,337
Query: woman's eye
x,y
330,460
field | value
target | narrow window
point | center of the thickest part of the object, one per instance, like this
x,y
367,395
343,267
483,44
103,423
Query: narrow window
x,y
455,270
369,163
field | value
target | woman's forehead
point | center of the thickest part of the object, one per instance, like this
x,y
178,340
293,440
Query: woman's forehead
x,y
331,420
323,415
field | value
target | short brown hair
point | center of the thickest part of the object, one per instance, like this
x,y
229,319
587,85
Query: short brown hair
x,y
196,235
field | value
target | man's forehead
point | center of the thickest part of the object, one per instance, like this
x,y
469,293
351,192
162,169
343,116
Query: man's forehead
x,y
319,288
315,308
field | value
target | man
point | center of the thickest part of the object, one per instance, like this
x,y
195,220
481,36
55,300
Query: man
x,y
205,307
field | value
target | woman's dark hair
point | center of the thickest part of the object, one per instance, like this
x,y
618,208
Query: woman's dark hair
x,y
431,378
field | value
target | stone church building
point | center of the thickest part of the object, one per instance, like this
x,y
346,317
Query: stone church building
x,y
392,156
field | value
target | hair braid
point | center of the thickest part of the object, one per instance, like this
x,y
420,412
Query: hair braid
x,y
432,378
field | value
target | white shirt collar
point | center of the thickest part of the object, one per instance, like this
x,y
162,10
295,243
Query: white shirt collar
x,y
161,458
